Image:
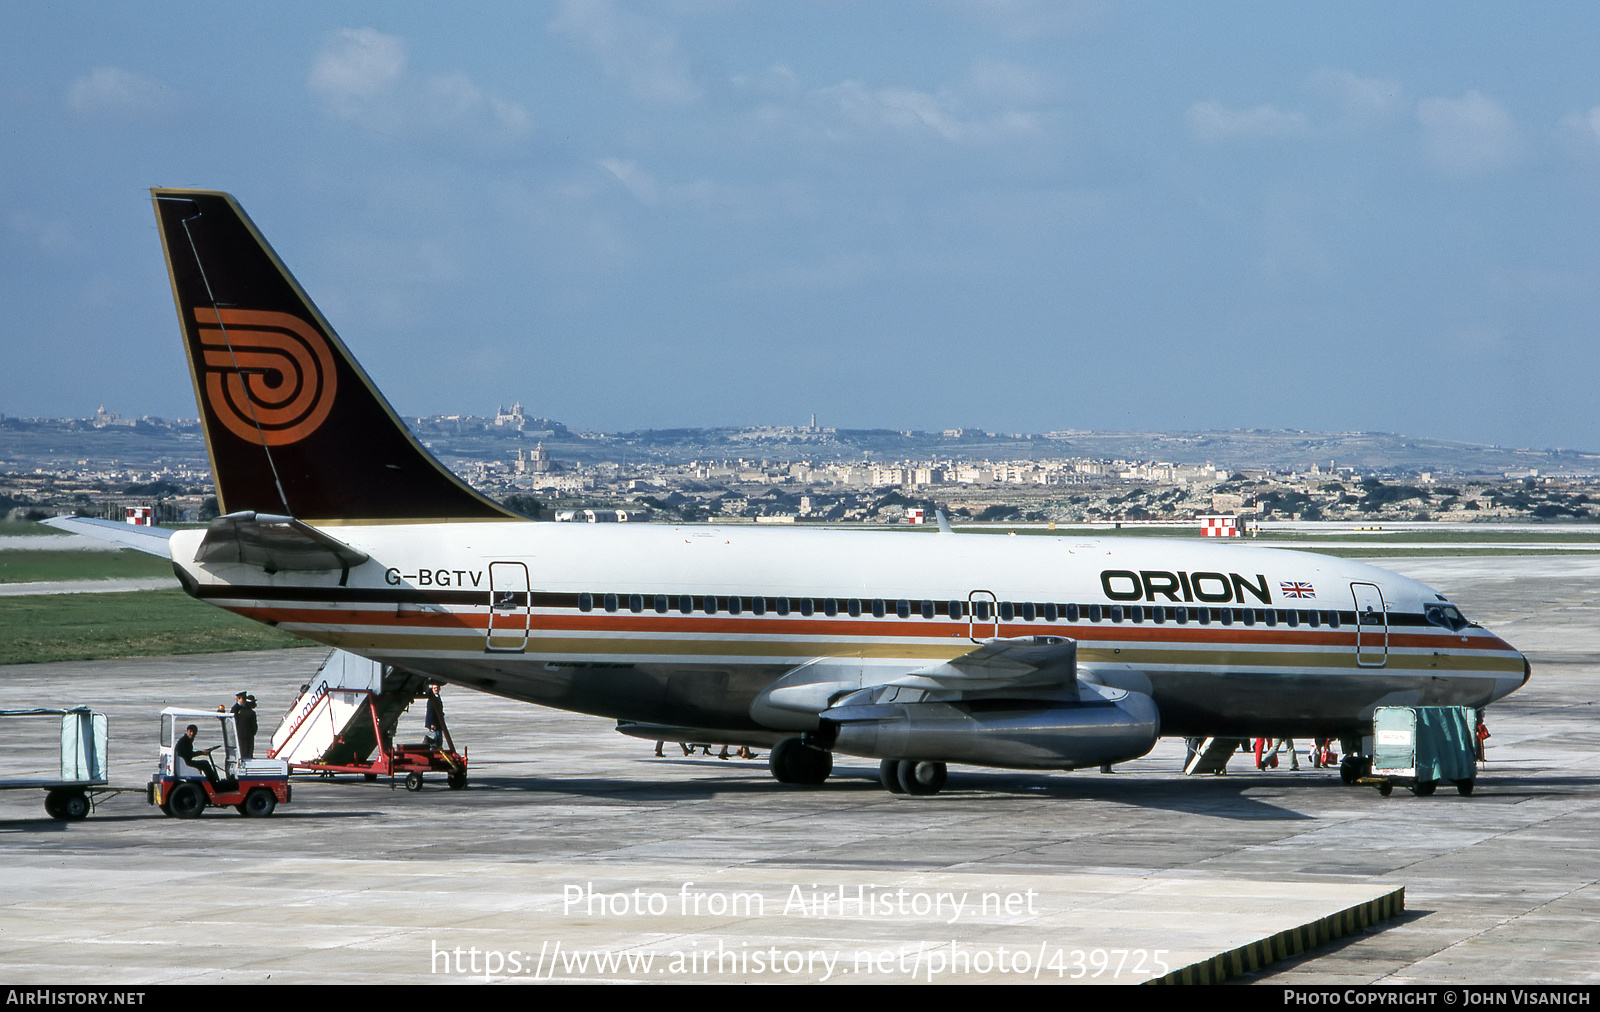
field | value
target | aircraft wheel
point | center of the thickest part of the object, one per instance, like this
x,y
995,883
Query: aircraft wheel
x,y
1424,788
413,781
794,762
1464,787
1349,769
889,776
52,803
187,801
922,777
1386,788
259,803
456,780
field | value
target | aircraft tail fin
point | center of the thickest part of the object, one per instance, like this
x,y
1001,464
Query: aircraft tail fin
x,y
292,423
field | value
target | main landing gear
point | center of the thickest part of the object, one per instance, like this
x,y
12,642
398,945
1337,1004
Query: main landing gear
x,y
794,762
910,776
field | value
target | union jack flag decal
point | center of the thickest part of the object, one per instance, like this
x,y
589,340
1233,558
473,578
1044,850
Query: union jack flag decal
x,y
1296,589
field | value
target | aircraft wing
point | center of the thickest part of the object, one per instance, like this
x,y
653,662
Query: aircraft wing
x,y
1030,662
275,543
150,540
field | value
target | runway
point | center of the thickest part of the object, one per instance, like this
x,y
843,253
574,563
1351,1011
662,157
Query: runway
x,y
572,841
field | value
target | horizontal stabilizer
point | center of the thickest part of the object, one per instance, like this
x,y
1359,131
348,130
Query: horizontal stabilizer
x,y
275,543
150,540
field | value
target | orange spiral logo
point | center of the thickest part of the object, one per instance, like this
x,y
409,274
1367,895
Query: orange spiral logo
x,y
269,377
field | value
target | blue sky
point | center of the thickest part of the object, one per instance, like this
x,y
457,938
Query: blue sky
x,y
1020,216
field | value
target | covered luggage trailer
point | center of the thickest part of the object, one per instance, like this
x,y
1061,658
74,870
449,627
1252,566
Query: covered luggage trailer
x,y
1417,747
80,779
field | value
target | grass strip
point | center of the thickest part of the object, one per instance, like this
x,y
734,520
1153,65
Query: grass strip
x,y
82,627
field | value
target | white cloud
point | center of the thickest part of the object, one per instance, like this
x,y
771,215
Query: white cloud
x,y
1583,126
994,102
360,75
633,179
1213,122
1468,136
111,91
356,71
1359,104
643,57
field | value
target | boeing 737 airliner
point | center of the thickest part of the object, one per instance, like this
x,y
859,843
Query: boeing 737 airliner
x,y
916,650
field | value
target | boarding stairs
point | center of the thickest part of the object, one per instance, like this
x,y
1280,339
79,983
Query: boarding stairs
x,y
339,716
1212,756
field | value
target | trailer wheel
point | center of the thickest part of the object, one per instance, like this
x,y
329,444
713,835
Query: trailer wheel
x,y
1464,787
1424,788
1386,788
188,801
456,781
259,803
889,776
67,804
413,781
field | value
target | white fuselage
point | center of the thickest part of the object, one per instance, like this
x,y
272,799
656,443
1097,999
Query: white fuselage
x,y
614,619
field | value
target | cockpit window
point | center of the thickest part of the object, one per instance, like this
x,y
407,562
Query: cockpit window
x,y
1445,616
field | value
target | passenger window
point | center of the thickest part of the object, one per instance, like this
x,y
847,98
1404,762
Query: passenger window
x,y
854,607
902,609
735,606
711,605
1029,611
686,605
1050,613
927,609
758,606
830,607
782,606
585,602
1094,613
611,602
661,604
1116,613
807,606
636,603
1008,611
957,609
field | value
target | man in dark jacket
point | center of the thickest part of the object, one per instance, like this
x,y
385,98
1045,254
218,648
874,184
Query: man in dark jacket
x,y
244,718
197,758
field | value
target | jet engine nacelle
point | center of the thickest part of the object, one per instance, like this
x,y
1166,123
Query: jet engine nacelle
x,y
1097,724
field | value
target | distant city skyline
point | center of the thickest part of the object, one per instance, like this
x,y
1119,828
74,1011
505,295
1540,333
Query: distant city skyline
x,y
1030,216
